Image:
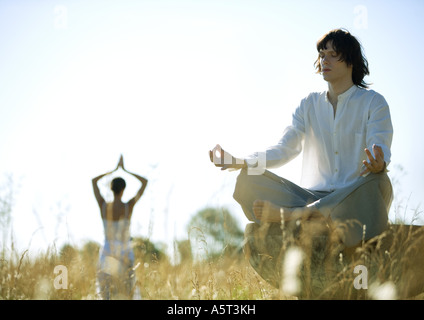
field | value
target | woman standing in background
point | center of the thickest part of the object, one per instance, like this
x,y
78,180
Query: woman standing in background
x,y
116,274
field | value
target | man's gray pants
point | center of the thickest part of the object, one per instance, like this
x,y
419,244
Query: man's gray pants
x,y
365,202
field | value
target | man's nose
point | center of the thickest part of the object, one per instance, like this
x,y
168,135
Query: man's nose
x,y
324,63
324,60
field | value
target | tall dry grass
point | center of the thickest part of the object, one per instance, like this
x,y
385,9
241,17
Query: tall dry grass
x,y
393,261
25,277
386,267
307,261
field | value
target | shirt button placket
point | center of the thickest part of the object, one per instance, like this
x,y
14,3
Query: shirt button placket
x,y
336,148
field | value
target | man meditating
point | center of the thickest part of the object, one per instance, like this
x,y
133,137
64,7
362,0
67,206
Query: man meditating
x,y
345,133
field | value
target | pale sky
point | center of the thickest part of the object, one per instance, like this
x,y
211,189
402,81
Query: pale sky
x,y
162,82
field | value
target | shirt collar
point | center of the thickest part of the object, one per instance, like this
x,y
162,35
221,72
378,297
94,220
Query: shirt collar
x,y
344,95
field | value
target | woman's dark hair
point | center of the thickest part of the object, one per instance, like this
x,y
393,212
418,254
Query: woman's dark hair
x,y
350,51
117,185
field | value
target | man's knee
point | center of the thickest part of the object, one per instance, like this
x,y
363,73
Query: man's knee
x,y
244,183
380,189
382,183
239,184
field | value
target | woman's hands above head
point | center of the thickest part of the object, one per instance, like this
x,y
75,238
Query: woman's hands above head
x,y
120,163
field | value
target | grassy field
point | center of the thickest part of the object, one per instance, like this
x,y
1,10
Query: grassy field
x,y
390,267
22,277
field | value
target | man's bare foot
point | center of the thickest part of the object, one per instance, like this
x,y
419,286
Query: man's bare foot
x,y
265,211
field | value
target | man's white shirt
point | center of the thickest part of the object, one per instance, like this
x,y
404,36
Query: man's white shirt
x,y
333,146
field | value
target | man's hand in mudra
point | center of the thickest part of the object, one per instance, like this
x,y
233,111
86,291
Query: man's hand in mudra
x,y
225,160
374,165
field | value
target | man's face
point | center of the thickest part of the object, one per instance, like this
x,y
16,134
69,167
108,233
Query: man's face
x,y
332,69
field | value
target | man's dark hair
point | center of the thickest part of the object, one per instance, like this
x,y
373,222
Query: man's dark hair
x,y
117,185
350,51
